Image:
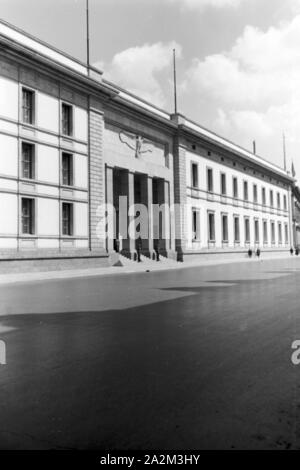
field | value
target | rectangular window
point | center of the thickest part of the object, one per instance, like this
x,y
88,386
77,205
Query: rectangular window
x,y
196,224
278,200
210,181
279,233
224,227
28,223
271,198
236,227
223,184
256,231
273,232
286,234
284,203
263,196
67,169
246,190
67,218
247,230
67,119
235,187
194,175
265,230
255,193
27,160
211,226
27,106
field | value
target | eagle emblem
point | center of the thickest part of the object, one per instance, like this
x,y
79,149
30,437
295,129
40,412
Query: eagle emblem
x,y
136,142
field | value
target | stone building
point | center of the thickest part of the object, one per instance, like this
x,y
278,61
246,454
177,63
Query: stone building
x,y
72,142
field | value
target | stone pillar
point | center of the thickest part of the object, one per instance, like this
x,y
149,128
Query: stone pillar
x,y
110,204
150,214
180,198
130,195
167,233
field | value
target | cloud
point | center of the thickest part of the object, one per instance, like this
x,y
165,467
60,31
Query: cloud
x,y
140,69
201,4
252,90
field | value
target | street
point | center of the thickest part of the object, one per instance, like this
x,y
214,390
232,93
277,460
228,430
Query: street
x,y
196,358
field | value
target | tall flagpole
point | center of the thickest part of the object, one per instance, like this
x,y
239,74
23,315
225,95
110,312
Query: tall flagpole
x,y
284,152
87,36
175,84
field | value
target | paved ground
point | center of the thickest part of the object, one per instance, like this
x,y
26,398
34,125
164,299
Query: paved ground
x,y
182,359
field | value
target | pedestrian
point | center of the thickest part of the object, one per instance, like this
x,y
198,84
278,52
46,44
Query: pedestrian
x,y
139,249
291,251
156,249
258,252
250,253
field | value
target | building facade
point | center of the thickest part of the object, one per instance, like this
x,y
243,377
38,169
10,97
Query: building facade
x,y
72,142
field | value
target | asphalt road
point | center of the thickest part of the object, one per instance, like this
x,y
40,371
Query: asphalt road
x,y
197,358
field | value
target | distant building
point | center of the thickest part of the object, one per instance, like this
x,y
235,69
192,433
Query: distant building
x,y
71,141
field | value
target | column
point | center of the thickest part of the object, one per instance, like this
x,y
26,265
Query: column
x,y
109,206
130,195
150,214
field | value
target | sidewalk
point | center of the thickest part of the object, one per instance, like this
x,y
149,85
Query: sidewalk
x,y
119,270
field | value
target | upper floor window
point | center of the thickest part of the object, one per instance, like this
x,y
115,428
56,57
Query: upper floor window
x,y
245,190
67,218
284,202
194,175
27,106
263,196
235,187
278,200
210,182
67,169
271,198
67,119
223,184
27,167
254,193
28,216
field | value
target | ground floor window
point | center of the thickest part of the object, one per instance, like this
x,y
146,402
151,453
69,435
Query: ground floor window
x,y
211,227
265,231
236,229
273,232
247,230
28,216
225,228
279,233
67,218
196,224
256,231
286,234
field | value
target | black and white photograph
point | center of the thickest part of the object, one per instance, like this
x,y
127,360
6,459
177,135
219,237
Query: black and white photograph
x,y
149,229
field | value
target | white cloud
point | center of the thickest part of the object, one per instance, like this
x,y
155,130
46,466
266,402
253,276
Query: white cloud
x,y
139,69
201,4
253,89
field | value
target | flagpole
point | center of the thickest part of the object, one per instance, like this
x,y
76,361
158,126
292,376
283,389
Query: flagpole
x,y
175,85
87,36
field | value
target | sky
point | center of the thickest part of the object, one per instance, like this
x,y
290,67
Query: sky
x,y
238,61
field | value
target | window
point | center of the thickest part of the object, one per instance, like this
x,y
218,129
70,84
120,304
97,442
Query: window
x,y
235,187
271,198
27,106
67,169
286,234
210,182
224,227
263,196
284,203
273,232
194,175
246,190
196,224
255,193
27,160
265,231
28,223
67,218
211,226
67,119
278,200
279,233
236,228
256,231
223,184
247,230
